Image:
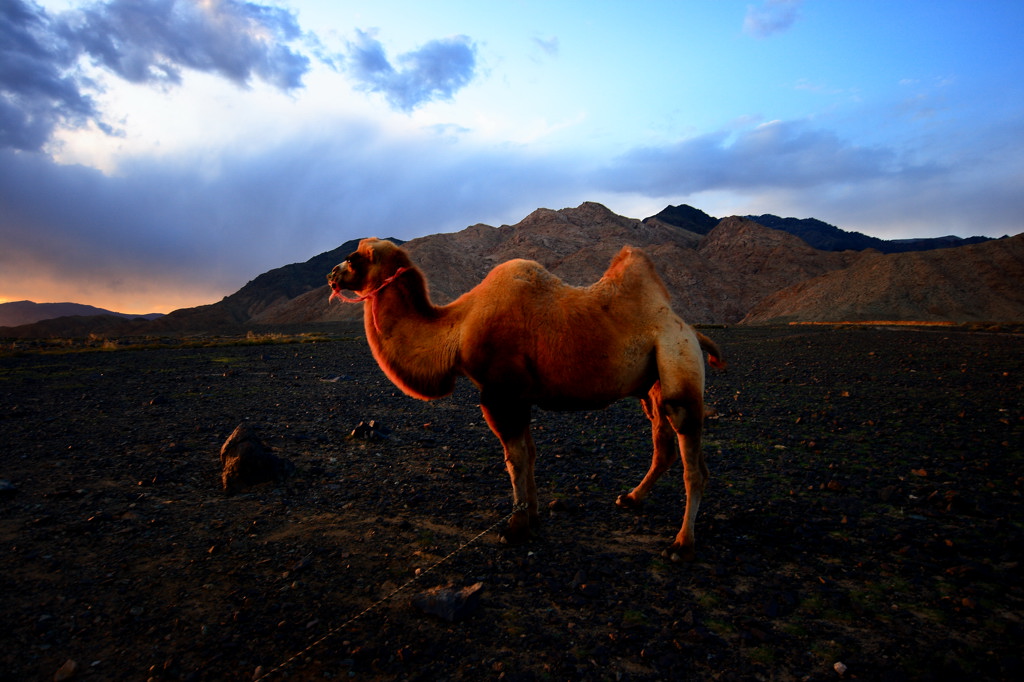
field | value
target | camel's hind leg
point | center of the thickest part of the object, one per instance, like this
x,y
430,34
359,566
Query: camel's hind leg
x,y
687,419
664,440
511,424
679,420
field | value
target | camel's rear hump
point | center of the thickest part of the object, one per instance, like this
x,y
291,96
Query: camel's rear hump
x,y
632,269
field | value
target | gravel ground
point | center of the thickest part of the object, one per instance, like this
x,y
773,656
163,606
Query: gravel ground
x,y
863,520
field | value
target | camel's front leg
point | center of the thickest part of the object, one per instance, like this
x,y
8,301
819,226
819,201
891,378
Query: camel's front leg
x,y
520,457
512,426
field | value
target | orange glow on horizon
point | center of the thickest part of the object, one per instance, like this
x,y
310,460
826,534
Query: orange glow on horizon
x,y
134,303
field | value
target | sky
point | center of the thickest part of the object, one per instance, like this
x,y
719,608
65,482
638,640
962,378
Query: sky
x,y
159,154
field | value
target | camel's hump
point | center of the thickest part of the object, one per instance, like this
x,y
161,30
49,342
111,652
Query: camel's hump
x,y
524,270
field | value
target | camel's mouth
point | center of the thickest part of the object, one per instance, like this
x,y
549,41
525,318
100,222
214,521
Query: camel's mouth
x,y
335,291
334,281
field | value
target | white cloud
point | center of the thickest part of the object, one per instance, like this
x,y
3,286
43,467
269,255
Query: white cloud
x,y
44,85
771,17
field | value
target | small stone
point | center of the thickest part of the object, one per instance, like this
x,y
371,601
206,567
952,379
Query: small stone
x,y
66,671
450,604
371,431
840,668
7,489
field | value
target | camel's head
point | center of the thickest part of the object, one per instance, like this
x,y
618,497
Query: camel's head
x,y
367,268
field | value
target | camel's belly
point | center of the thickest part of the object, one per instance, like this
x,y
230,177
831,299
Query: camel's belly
x,y
594,385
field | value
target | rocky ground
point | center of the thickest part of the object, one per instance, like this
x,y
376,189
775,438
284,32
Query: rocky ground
x,y
863,520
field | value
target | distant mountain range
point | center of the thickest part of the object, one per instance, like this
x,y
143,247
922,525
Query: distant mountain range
x,y
17,313
816,233
733,270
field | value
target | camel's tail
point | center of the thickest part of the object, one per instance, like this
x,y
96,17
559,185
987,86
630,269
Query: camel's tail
x,y
715,358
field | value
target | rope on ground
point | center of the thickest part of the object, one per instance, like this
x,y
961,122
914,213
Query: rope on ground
x,y
262,675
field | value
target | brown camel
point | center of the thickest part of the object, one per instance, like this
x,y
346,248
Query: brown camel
x,y
525,338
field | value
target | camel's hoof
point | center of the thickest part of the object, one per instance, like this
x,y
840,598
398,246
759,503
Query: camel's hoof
x,y
515,536
624,501
680,554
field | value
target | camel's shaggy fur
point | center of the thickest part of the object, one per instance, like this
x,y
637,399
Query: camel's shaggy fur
x,y
524,338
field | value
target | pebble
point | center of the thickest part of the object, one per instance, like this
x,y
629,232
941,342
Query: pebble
x,y
66,671
7,488
450,604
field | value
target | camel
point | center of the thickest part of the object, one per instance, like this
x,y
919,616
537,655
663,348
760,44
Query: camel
x,y
526,338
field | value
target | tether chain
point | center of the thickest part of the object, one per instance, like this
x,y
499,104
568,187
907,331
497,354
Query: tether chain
x,y
333,631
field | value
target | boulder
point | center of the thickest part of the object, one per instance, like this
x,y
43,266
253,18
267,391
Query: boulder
x,y
246,461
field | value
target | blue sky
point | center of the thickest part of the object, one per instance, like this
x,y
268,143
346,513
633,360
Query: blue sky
x,y
157,154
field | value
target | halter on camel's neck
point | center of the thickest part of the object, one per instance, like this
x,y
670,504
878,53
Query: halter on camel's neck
x,y
372,296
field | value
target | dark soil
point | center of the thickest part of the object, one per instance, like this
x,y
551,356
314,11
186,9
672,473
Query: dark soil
x,y
864,511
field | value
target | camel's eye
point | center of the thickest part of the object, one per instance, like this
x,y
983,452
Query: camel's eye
x,y
354,259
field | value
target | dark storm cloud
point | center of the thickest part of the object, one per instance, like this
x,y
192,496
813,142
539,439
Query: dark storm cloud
x,y
37,92
437,70
149,41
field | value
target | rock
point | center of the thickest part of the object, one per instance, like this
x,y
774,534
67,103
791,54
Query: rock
x,y
448,603
66,671
246,461
371,431
7,489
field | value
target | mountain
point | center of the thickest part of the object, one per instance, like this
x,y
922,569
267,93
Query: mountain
x,y
815,232
16,313
733,272
686,217
827,237
717,277
973,283
738,270
267,292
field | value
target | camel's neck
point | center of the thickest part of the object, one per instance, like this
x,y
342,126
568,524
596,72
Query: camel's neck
x,y
413,341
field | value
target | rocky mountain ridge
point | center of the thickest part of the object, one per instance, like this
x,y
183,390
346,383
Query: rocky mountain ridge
x,y
737,270
816,233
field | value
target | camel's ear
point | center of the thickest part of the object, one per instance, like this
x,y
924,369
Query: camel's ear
x,y
368,252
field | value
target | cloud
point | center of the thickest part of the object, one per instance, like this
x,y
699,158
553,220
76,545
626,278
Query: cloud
x,y
550,46
437,70
159,229
42,86
771,17
775,154
147,41
946,185
37,90
158,224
